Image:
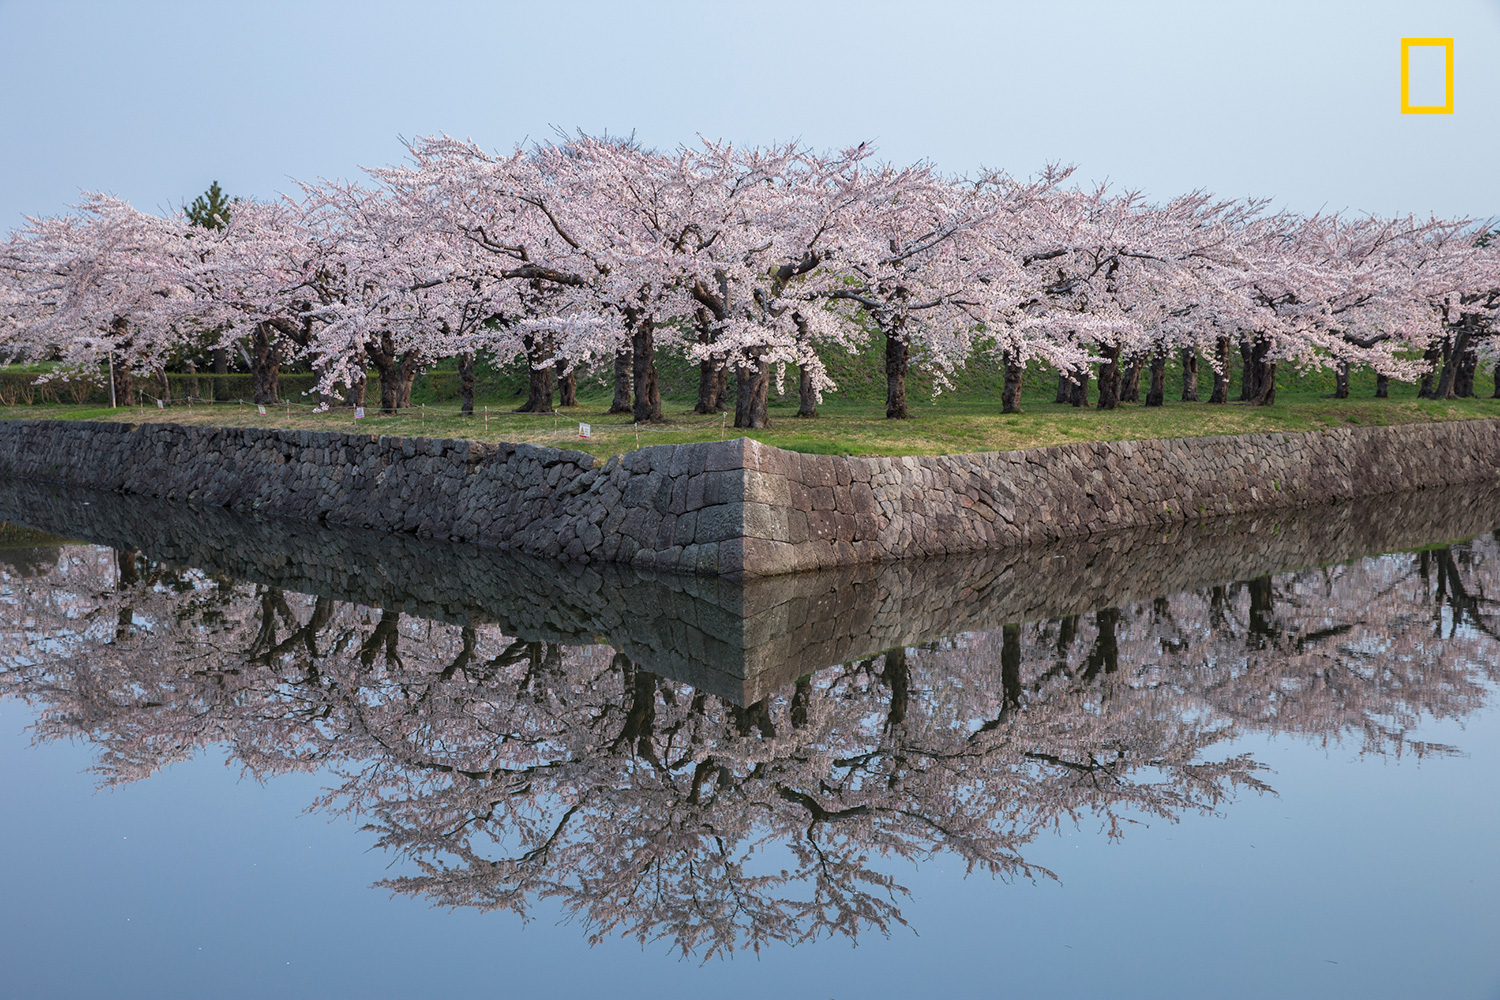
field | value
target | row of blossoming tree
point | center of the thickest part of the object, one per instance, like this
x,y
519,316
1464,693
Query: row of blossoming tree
x,y
591,254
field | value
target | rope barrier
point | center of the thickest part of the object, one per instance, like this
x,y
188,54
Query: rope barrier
x,y
676,423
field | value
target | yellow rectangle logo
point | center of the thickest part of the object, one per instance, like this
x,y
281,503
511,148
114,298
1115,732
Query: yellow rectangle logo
x,y
1408,108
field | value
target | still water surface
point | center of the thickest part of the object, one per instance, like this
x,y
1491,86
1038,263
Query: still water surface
x,y
248,757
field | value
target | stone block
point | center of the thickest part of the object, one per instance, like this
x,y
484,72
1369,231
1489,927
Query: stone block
x,y
767,488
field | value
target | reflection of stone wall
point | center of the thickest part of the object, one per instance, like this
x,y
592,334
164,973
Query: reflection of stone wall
x,y
740,508
742,639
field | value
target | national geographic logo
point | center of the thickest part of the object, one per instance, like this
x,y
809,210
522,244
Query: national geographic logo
x,y
1426,77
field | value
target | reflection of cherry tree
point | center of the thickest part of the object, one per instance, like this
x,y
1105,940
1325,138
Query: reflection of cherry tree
x,y
509,771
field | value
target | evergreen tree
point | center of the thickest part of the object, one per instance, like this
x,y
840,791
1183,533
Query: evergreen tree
x,y
209,210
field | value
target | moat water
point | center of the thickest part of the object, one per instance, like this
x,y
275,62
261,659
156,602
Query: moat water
x,y
249,757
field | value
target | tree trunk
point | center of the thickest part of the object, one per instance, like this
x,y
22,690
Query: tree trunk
x,y
354,395
1064,388
397,372
163,387
538,375
406,375
1468,366
713,380
623,365
1259,375
1130,384
1382,386
643,367
1267,393
190,384
807,400
713,373
265,365
1447,382
1431,356
753,385
1010,395
897,361
1157,394
1109,378
1078,391
1189,375
1341,380
567,385
221,361
1248,384
1220,393
1496,394
466,383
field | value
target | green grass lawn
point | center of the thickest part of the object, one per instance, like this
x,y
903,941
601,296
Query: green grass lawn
x,y
951,424
850,421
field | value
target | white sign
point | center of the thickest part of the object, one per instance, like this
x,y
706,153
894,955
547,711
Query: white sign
x,y
261,407
359,413
584,430
160,405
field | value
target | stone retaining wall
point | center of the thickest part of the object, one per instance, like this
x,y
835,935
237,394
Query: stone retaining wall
x,y
740,508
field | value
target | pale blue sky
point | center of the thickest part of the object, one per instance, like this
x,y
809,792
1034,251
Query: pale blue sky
x,y
1296,101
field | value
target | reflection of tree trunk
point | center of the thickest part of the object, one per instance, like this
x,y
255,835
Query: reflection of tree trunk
x,y
127,568
385,634
640,710
1067,634
897,677
754,718
1220,393
1218,607
801,700
1010,396
1262,607
1189,375
1010,670
624,363
1105,655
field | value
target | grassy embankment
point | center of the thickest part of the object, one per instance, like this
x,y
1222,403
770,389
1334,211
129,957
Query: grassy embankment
x,y
851,421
